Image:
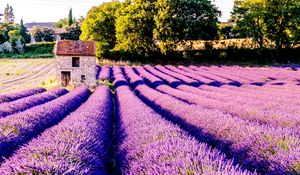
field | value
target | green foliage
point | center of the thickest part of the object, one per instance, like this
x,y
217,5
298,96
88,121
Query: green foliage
x,y
134,28
72,33
61,23
99,26
141,28
283,22
23,32
275,21
226,31
5,28
43,34
70,18
41,48
178,21
249,16
38,50
14,36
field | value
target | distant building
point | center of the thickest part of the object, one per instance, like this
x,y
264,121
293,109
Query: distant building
x,y
76,62
39,24
57,31
0,16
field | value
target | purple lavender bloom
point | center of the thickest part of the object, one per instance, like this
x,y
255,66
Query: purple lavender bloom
x,y
19,128
17,95
183,78
79,144
98,69
105,73
255,146
29,102
148,144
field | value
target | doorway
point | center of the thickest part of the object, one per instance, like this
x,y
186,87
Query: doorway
x,y
65,78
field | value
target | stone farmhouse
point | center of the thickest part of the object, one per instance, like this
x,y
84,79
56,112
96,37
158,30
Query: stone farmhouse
x,y
75,63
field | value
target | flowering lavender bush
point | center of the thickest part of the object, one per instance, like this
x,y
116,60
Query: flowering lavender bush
x,y
168,120
17,95
152,145
267,149
105,73
78,145
19,128
29,102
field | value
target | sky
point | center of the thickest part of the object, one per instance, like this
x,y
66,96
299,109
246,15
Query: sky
x,y
53,10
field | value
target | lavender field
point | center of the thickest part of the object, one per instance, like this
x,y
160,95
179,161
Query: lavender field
x,y
185,120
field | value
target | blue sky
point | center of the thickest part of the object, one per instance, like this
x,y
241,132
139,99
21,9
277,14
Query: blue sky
x,y
53,10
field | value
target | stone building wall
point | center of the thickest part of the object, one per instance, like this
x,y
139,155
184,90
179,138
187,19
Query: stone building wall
x,y
87,68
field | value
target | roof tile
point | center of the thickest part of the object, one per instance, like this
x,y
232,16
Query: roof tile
x,y
75,48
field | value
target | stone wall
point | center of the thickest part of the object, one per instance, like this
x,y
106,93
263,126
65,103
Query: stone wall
x,y
87,67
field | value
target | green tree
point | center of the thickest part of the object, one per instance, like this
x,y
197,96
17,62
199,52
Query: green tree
x,y
275,21
24,32
5,28
99,26
70,18
16,40
43,34
249,16
71,33
61,23
134,28
178,21
9,16
283,22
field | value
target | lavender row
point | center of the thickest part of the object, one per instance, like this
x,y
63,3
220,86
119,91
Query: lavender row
x,y
98,70
267,149
215,80
29,102
145,138
182,78
79,144
105,73
284,116
17,95
21,127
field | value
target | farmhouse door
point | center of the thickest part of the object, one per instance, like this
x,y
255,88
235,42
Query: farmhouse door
x,y
65,78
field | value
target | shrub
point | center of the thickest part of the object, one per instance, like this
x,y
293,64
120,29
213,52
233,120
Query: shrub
x,y
41,48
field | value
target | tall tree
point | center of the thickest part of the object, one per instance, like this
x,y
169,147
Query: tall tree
x,y
249,16
134,28
178,21
24,32
274,21
283,22
9,16
70,17
99,26
71,33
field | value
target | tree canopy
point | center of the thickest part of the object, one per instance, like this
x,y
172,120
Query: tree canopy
x,y
99,26
141,27
178,21
275,21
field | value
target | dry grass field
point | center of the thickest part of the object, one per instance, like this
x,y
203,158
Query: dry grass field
x,y
22,74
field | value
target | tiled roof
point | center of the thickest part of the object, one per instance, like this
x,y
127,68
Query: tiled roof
x,y
75,48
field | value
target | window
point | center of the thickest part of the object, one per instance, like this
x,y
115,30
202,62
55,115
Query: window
x,y
75,62
83,78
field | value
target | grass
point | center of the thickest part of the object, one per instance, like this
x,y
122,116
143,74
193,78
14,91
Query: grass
x,y
25,55
49,83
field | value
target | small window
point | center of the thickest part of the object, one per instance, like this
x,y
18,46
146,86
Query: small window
x,y
83,78
75,62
